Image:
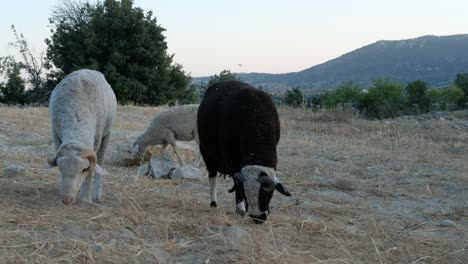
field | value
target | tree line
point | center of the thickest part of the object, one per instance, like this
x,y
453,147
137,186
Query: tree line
x,y
385,98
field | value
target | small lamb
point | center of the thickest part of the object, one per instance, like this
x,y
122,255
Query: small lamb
x,y
177,123
82,110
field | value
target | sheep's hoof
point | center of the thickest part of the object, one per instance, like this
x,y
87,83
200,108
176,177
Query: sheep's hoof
x,y
213,204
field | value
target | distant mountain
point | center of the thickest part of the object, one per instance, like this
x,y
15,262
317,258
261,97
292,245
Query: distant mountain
x,y
436,60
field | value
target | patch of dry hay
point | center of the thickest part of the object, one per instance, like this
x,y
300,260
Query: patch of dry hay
x,y
363,192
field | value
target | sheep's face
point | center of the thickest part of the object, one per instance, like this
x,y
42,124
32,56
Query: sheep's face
x,y
255,185
138,152
73,171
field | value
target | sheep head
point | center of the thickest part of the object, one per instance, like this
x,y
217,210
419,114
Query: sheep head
x,y
75,166
255,186
138,152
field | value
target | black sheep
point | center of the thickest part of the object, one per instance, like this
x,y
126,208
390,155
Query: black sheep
x,y
239,129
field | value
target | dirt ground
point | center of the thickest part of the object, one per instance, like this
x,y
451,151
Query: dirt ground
x,y
391,191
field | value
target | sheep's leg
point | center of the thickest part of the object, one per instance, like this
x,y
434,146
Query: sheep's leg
x,y
163,149
57,141
97,183
240,203
181,162
85,191
166,155
97,187
170,139
214,200
241,208
198,158
164,146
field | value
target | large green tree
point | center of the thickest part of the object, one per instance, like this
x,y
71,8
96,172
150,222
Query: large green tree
x,y
11,92
124,43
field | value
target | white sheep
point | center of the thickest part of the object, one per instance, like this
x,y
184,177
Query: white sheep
x,y
177,123
82,110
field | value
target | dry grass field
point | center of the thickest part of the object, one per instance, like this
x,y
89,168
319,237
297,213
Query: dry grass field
x,y
362,192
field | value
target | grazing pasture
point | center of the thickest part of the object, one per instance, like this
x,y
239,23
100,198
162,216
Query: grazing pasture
x,y
391,191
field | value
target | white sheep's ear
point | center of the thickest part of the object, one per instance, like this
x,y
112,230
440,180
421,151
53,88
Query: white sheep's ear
x,y
135,149
100,170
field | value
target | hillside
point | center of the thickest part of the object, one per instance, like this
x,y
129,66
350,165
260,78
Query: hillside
x,y
433,59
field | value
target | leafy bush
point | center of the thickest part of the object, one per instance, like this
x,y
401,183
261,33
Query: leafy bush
x,y
347,92
461,82
416,97
383,100
294,98
442,98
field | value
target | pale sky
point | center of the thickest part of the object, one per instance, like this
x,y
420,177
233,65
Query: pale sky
x,y
269,36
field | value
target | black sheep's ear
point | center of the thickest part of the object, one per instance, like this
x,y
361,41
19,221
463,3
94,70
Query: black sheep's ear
x,y
280,188
238,177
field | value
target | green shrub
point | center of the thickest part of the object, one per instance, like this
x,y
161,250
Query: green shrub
x,y
294,98
383,100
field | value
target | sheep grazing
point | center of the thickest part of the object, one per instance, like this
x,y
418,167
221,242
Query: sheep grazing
x,y
82,110
177,123
239,129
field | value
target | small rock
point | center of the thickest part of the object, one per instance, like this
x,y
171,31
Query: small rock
x,y
352,229
186,172
316,171
98,248
162,167
14,170
447,223
309,219
343,184
120,155
145,170
376,207
112,242
234,232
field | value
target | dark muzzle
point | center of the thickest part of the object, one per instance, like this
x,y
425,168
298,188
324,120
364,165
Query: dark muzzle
x,y
259,219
